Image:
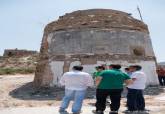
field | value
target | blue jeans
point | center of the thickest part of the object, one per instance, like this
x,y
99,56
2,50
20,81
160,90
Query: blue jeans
x,y
77,95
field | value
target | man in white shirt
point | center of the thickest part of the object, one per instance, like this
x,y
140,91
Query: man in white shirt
x,y
135,98
76,83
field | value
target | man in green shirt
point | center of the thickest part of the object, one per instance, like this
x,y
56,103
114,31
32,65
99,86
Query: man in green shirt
x,y
110,83
99,69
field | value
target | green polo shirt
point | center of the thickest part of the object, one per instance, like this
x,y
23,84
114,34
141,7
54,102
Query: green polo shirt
x,y
96,74
112,79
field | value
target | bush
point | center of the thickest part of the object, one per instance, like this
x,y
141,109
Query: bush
x,y
16,70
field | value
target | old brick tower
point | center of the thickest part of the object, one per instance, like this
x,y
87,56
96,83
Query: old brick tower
x,y
93,37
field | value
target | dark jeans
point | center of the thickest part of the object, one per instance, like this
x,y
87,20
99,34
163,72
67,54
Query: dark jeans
x,y
135,100
162,80
101,96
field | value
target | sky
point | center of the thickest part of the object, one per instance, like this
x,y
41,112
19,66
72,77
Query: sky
x,y
22,21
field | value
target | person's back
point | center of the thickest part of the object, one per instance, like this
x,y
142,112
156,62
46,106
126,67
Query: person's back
x,y
99,69
112,79
76,80
75,83
110,83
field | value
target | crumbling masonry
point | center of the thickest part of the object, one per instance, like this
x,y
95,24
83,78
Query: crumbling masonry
x,y
90,38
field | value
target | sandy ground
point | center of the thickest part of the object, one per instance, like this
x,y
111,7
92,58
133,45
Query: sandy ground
x,y
16,92
10,83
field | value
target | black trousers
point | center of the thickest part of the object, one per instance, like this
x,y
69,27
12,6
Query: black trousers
x,y
161,80
101,96
135,100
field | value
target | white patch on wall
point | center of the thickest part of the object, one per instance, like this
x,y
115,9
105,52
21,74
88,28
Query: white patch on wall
x,y
49,38
90,68
57,69
149,68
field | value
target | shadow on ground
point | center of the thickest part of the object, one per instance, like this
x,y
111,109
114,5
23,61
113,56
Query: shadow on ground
x,y
27,92
153,90
150,90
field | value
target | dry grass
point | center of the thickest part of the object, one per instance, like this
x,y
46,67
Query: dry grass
x,y
4,71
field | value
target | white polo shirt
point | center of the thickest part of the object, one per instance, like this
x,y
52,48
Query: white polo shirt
x,y
140,81
76,80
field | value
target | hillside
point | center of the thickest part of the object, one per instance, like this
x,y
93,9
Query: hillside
x,y
18,65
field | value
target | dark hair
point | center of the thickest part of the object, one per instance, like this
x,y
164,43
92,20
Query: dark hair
x,y
78,67
126,69
138,67
115,66
101,67
96,67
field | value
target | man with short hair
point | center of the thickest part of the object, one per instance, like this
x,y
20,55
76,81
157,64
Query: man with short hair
x,y
76,83
99,69
127,70
135,98
110,83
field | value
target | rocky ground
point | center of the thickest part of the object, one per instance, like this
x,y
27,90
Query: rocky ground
x,y
17,92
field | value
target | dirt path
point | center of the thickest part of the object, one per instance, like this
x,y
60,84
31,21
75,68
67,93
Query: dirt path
x,y
16,92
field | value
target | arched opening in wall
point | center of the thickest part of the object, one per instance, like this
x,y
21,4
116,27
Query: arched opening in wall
x,y
138,51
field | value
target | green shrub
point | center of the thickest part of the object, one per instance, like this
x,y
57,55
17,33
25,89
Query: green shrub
x,y
16,70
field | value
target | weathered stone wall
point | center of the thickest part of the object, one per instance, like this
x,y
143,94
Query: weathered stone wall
x,y
1,59
99,41
97,18
94,37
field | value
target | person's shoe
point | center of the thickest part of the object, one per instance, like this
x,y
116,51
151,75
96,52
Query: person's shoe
x,y
97,112
113,112
143,111
146,110
94,111
126,111
129,112
61,111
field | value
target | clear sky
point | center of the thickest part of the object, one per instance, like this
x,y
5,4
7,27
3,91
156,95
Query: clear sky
x,y
22,21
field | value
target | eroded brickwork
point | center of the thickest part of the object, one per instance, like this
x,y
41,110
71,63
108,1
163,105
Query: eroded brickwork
x,y
92,37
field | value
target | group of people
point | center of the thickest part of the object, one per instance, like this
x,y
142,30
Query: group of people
x,y
161,75
109,82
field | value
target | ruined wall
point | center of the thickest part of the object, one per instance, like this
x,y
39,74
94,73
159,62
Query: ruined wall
x,y
91,47
18,53
100,41
90,38
1,59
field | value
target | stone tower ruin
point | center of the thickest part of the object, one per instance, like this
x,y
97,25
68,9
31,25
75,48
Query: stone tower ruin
x,y
94,37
